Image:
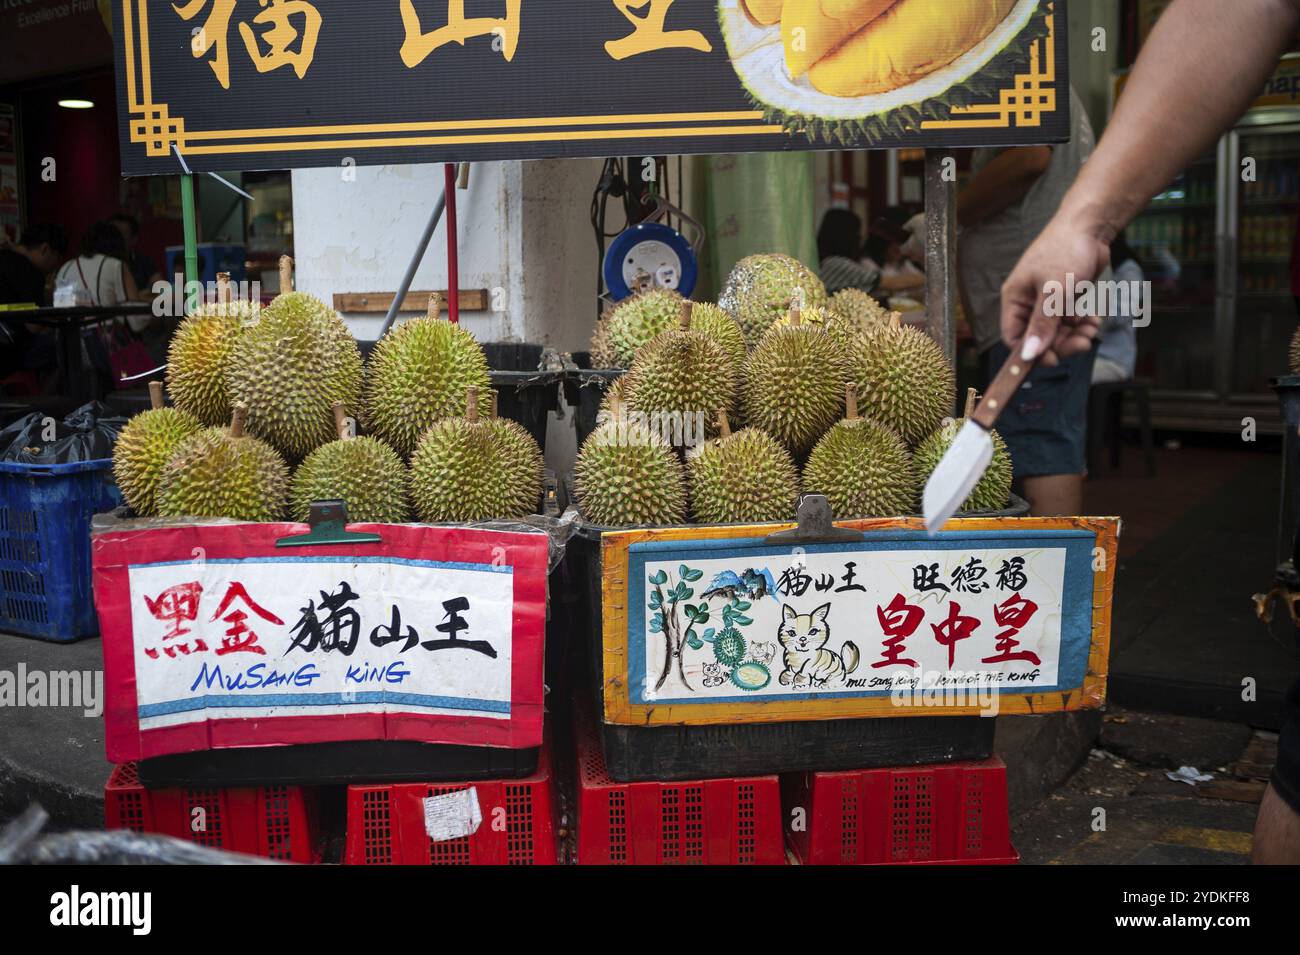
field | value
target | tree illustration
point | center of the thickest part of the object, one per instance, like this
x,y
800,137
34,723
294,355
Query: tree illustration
x,y
677,620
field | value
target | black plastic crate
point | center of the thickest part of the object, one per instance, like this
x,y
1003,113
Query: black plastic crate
x,y
644,753
584,390
328,764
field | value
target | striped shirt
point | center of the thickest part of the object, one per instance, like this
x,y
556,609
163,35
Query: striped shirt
x,y
839,273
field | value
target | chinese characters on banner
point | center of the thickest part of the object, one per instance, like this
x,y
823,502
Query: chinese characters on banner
x,y
841,622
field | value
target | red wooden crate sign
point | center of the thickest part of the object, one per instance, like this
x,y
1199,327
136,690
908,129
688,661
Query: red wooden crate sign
x,y
949,813
516,822
274,822
215,638
735,821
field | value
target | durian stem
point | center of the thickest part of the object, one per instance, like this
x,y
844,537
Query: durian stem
x,y
238,421
435,305
492,404
851,401
724,426
895,320
796,317
471,404
972,396
156,394
286,274
685,317
341,421
224,294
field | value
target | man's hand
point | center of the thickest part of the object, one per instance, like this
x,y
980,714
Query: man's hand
x,y
1065,249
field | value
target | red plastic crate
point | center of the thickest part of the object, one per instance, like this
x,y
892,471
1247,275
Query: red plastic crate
x,y
704,822
386,823
914,815
275,822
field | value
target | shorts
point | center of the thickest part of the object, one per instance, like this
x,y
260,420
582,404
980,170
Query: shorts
x,y
1286,774
1046,425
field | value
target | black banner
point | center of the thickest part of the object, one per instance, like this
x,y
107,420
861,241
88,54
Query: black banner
x,y
258,84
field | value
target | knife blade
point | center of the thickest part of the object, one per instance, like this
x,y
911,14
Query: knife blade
x,y
966,460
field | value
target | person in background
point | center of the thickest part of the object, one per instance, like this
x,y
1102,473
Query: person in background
x,y
839,243
143,269
1012,195
1148,142
883,252
24,269
1117,354
99,273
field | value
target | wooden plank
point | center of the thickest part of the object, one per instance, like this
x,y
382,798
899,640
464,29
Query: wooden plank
x,y
471,300
1235,790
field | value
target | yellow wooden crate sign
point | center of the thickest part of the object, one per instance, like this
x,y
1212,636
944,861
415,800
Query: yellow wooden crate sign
x,y
718,625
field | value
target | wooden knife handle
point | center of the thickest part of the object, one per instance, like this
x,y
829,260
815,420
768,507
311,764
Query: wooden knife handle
x,y
1004,387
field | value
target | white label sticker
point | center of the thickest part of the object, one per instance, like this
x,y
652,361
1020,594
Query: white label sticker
x,y
452,816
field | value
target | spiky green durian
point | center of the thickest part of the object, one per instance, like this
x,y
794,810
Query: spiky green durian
x,y
742,478
475,469
290,367
817,317
857,309
627,474
867,70
682,372
635,321
420,373
143,449
602,347
729,647
993,490
223,472
199,357
713,320
615,394
794,385
763,288
364,473
863,468
904,381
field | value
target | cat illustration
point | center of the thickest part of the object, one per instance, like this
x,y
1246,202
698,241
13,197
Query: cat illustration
x,y
713,675
763,652
807,661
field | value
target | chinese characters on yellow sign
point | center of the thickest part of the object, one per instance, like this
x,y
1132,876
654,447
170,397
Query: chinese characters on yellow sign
x,y
290,29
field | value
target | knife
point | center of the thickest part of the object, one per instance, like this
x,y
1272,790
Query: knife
x,y
968,457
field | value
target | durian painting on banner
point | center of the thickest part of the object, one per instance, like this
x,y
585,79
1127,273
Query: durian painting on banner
x,y
1011,615
295,83
215,638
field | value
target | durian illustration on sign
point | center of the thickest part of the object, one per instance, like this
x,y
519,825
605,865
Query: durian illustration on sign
x,y
840,69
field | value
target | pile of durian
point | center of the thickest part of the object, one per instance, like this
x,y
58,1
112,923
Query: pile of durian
x,y
798,391
260,426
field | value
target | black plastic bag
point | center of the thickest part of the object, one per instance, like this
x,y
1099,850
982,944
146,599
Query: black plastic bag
x,y
87,434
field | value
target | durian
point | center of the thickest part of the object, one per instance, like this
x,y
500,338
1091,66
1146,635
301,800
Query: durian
x,y
143,449
863,468
290,367
635,321
627,474
857,309
741,478
602,347
994,489
762,288
364,473
475,469
224,472
793,385
859,71
904,380
419,374
684,375
199,355
713,321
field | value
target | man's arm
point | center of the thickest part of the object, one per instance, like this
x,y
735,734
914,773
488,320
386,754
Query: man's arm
x,y
1002,183
1204,63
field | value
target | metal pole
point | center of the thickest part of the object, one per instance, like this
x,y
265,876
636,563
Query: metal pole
x,y
415,263
941,250
453,252
189,217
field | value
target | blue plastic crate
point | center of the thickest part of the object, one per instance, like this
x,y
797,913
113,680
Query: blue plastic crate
x,y
45,516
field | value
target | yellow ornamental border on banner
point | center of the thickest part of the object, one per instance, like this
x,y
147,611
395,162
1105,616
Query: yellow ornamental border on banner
x,y
1031,96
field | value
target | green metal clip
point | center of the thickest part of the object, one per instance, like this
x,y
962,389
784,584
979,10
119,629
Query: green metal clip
x,y
328,521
